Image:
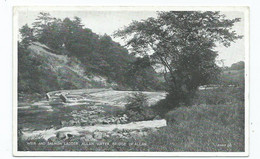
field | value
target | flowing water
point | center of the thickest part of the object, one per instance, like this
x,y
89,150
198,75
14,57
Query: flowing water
x,y
50,113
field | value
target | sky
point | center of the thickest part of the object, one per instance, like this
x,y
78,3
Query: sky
x,y
107,22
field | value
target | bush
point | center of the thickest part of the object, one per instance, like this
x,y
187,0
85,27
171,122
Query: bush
x,y
137,108
136,102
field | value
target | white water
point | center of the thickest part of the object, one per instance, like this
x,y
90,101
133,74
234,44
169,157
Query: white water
x,y
77,130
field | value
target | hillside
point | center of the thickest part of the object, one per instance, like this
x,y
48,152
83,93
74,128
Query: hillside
x,y
48,71
58,71
60,54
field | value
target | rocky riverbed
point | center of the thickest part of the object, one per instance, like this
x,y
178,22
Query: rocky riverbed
x,y
94,114
97,132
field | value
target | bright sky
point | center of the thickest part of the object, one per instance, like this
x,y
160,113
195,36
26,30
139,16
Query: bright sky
x,y
102,22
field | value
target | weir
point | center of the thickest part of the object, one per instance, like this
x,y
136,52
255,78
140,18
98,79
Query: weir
x,y
79,130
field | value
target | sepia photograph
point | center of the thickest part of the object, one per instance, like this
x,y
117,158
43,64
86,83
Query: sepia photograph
x,y
130,81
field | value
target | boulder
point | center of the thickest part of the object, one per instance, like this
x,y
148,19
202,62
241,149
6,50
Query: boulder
x,y
69,135
125,134
84,123
48,97
63,98
121,136
134,133
112,120
116,130
92,123
97,135
106,136
84,111
117,121
93,116
105,122
74,111
87,138
114,134
61,135
72,123
99,120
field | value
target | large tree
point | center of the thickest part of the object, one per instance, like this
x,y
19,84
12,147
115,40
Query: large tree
x,y
184,43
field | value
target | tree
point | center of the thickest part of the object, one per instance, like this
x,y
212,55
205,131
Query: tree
x,y
26,35
183,42
41,24
29,72
48,30
71,30
238,66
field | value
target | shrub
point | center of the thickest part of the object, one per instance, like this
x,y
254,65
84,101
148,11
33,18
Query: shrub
x,y
136,102
137,108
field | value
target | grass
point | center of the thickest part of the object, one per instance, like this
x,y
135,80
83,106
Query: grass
x,y
204,127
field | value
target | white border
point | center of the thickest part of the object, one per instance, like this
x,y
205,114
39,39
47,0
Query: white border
x,y
130,8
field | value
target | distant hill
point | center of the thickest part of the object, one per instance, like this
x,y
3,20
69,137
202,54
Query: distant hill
x,y
235,74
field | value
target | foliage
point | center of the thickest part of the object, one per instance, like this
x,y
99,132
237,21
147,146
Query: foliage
x,y
232,78
183,43
238,66
141,76
40,71
27,35
30,73
137,108
97,54
234,75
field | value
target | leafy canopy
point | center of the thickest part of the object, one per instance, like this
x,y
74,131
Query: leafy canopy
x,y
95,54
183,42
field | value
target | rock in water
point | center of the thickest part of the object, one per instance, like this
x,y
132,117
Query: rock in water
x,y
48,97
63,123
133,133
97,135
87,138
69,135
63,98
117,121
125,116
61,135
